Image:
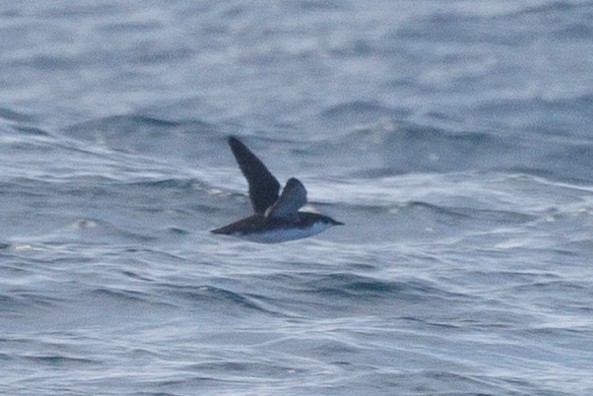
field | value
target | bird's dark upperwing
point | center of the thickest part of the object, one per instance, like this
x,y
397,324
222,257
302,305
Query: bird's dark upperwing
x,y
294,196
263,186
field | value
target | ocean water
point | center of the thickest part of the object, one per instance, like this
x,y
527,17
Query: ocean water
x,y
454,139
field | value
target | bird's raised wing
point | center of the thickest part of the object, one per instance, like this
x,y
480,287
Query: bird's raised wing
x,y
294,196
263,186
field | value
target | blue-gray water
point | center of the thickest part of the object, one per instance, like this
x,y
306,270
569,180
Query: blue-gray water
x,y
454,139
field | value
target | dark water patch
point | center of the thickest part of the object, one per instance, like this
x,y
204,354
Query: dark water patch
x,y
80,11
552,8
152,252
135,276
424,290
453,27
118,125
189,380
131,26
317,5
12,115
351,286
148,55
168,383
557,333
342,285
31,131
240,368
124,295
10,304
569,162
358,107
575,31
430,323
31,299
358,48
504,279
58,360
440,116
177,231
47,63
560,287
212,296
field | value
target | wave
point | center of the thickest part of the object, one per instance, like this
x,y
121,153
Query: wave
x,y
212,297
353,286
359,111
135,133
394,148
58,360
19,301
11,115
388,147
